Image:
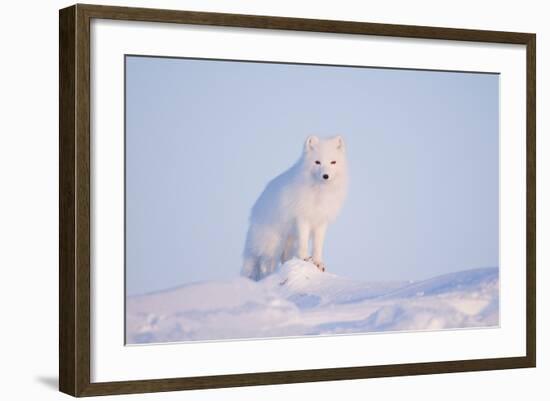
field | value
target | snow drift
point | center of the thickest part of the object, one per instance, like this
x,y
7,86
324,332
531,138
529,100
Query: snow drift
x,y
300,300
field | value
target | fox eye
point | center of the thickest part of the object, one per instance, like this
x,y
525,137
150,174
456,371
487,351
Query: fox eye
x,y
317,162
333,162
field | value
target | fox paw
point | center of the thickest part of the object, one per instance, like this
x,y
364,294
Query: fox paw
x,y
320,265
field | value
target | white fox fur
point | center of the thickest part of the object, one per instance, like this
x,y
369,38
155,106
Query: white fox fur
x,y
296,207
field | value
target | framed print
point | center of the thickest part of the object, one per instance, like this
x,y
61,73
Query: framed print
x,y
250,200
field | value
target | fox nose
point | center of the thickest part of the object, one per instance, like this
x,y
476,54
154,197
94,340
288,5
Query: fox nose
x,y
325,176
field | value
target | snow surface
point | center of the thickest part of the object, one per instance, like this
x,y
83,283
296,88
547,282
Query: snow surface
x,y
299,300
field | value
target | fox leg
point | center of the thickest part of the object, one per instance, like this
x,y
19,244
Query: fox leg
x,y
288,249
256,268
303,231
267,266
251,268
318,239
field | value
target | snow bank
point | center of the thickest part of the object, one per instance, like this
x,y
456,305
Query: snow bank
x,y
299,300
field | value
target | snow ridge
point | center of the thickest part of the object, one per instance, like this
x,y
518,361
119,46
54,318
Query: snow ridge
x,y
300,300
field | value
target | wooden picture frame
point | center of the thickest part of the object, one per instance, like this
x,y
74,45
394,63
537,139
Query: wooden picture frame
x,y
74,199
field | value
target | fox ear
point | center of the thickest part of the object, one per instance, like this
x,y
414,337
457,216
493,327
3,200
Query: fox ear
x,y
311,143
340,143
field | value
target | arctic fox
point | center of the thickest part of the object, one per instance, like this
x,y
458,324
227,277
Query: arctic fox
x,y
297,206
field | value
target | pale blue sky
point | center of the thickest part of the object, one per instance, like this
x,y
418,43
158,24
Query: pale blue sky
x,y
204,137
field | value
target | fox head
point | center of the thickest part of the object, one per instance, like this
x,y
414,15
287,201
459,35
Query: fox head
x,y
325,159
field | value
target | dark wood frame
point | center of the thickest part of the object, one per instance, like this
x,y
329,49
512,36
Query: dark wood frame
x,y
74,199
